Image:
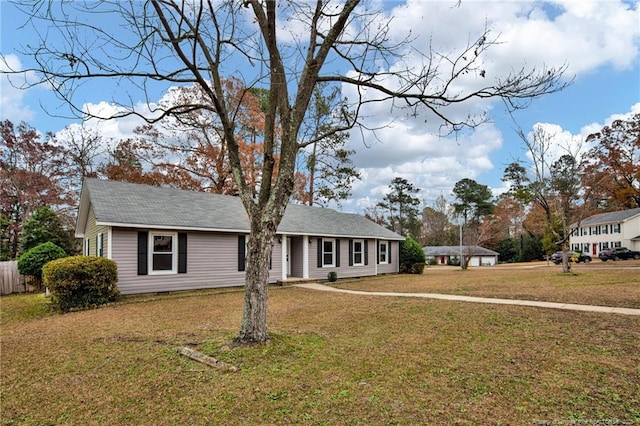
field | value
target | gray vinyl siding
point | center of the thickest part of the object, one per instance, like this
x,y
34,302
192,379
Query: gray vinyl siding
x,y
391,268
91,233
344,270
212,262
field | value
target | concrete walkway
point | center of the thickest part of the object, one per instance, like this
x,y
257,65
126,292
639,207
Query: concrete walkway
x,y
534,303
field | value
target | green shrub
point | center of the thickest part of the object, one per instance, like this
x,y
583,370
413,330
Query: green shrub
x,y
332,276
411,257
81,282
32,261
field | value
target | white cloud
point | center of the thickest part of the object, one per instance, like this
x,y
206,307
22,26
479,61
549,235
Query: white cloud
x,y
12,101
582,34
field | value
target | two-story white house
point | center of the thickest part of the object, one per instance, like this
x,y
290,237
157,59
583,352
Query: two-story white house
x,y
607,230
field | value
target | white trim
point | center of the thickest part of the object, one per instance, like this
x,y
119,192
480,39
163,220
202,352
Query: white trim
x,y
283,249
333,253
174,252
109,243
353,254
100,244
236,231
305,256
386,253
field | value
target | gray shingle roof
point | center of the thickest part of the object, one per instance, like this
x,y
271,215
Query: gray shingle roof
x,y
455,251
611,217
134,205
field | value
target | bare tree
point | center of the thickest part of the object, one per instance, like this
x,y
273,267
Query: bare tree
x,y
552,183
287,48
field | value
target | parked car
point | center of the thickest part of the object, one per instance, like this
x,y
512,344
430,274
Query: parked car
x,y
618,253
573,256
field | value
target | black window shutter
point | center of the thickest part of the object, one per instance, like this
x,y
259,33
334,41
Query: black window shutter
x,y
319,252
143,246
389,251
350,252
377,251
366,252
182,253
337,253
241,252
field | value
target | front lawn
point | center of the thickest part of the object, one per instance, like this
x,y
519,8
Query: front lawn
x,y
333,359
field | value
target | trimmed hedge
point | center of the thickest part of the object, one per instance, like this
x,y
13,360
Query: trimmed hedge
x,y
32,261
412,257
81,281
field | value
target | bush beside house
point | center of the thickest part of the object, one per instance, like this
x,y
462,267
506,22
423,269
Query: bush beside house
x,y
412,257
81,282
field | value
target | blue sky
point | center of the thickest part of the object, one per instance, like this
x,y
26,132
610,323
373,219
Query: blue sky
x,y
599,41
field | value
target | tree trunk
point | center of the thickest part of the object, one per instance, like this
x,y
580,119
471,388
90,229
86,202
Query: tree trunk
x,y
253,328
566,267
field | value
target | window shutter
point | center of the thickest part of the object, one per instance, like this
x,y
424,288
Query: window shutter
x,y
319,252
377,251
366,252
182,253
143,246
337,253
241,252
389,251
350,252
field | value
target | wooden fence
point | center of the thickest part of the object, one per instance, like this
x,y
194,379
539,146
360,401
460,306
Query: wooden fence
x,y
12,282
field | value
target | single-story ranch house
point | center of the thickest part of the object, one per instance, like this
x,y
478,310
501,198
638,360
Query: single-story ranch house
x,y
165,239
607,230
444,255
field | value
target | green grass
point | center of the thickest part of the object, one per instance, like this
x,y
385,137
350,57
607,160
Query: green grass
x,y
22,307
333,359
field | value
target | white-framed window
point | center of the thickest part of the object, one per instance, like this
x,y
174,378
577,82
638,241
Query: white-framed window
x,y
383,255
616,244
328,252
99,245
615,229
163,257
358,252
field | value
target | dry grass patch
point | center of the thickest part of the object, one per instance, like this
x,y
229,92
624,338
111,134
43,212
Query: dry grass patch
x,y
616,285
333,359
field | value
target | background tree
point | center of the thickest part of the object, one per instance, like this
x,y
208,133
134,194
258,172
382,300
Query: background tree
x,y
436,227
185,43
84,149
474,203
44,225
553,185
474,200
192,149
32,175
612,166
512,236
32,261
327,163
402,205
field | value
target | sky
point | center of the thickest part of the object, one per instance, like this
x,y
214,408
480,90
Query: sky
x,y
598,41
